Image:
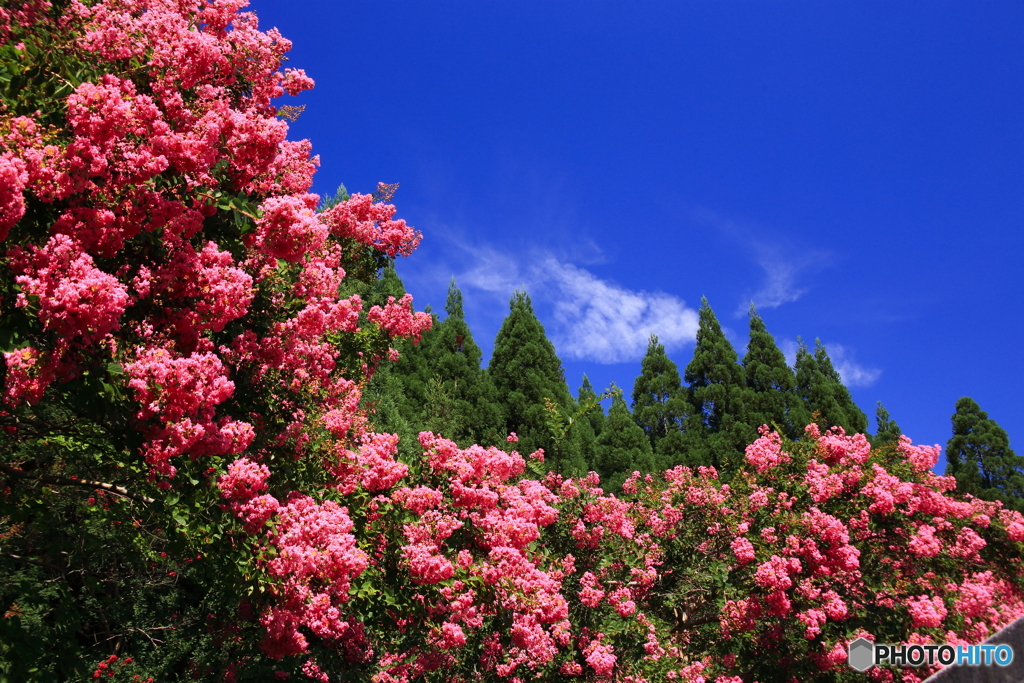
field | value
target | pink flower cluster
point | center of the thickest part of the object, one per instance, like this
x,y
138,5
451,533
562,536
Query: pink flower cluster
x,y
75,298
370,223
766,453
27,376
13,178
399,320
22,14
926,612
178,396
317,560
289,227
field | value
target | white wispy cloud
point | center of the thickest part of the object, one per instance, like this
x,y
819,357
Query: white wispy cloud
x,y
783,259
593,319
779,286
602,321
854,374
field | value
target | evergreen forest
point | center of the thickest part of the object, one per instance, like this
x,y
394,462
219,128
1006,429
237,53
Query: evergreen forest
x,y
704,416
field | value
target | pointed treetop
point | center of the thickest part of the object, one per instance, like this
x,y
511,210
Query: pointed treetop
x,y
767,374
823,392
888,432
389,283
658,402
621,448
526,370
453,307
714,358
586,389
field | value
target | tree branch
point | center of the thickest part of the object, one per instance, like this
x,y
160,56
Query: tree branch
x,y
85,483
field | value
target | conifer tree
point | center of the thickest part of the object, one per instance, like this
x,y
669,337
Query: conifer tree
x,y
888,432
823,392
389,284
385,400
980,457
856,421
595,417
622,447
717,428
658,402
585,430
452,359
525,370
772,382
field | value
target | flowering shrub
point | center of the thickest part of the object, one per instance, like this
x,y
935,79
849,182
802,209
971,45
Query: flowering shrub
x,y
182,381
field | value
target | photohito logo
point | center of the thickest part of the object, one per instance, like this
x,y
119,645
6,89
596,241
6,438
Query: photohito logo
x,y
862,654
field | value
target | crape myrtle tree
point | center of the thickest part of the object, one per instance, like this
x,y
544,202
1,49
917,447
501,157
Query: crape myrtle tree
x,y
172,321
190,490
980,458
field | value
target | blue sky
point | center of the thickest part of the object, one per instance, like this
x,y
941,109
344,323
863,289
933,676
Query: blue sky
x,y
852,168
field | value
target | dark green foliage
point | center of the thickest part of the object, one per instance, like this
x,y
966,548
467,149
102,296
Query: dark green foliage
x,y
463,390
437,385
388,285
659,401
774,399
888,433
525,371
84,572
622,448
856,421
397,391
980,457
717,427
586,430
823,392
595,417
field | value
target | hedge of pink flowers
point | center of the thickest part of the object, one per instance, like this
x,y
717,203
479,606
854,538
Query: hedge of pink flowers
x,y
234,353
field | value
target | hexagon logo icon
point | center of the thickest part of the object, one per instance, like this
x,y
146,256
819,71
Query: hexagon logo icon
x,y
861,654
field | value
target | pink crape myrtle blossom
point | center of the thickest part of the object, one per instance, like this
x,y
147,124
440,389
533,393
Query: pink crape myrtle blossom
x,y
27,376
601,658
766,453
13,178
290,227
398,318
360,218
244,480
926,612
76,299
